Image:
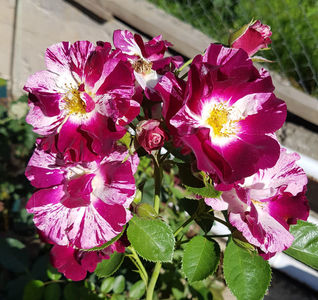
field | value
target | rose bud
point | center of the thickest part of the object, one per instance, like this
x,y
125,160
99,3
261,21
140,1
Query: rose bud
x,y
251,37
149,135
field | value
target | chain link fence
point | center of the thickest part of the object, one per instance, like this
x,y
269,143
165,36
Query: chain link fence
x,y
294,24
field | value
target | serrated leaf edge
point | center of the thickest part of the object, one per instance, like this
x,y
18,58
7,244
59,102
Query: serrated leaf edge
x,y
182,266
155,261
267,265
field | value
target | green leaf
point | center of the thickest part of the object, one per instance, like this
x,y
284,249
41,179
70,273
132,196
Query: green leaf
x,y
107,267
137,290
206,192
119,284
15,287
247,274
107,285
52,273
305,245
72,291
38,269
199,289
52,292
201,258
13,255
33,290
118,297
152,239
112,241
186,176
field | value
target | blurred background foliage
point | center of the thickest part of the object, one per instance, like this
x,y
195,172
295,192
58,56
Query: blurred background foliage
x,y
294,24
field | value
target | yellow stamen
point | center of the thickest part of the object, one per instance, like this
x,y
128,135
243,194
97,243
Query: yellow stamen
x,y
218,118
142,66
74,103
258,203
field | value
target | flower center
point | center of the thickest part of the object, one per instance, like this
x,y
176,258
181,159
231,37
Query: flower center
x,y
142,66
218,118
74,103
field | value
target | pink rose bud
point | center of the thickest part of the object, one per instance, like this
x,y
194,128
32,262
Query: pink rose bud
x,y
150,136
251,37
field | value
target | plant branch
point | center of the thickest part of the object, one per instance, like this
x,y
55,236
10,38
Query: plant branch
x,y
183,226
153,281
185,65
136,260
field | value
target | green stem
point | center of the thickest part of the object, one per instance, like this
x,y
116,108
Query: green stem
x,y
153,281
184,75
156,271
157,174
156,203
139,265
223,222
183,226
218,235
185,65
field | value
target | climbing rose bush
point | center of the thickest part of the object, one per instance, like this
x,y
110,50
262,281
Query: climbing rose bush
x,y
118,124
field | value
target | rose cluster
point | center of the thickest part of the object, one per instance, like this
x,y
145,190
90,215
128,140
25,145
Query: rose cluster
x,y
225,113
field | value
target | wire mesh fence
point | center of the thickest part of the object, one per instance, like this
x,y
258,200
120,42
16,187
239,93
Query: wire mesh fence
x,y
294,23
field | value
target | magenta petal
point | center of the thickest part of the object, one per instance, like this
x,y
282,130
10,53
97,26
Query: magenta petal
x,y
78,191
255,37
42,124
46,95
263,231
255,152
287,209
57,58
79,53
42,171
102,131
216,203
74,143
95,225
63,259
117,78
125,41
269,119
45,197
90,260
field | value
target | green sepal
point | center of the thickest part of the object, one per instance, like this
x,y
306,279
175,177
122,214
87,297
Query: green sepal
x,y
207,191
238,33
